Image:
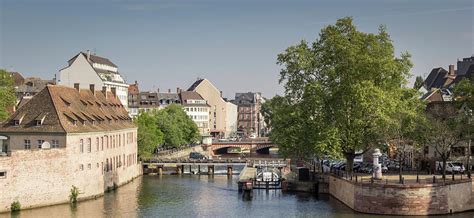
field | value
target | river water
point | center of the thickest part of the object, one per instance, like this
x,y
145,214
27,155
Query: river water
x,y
198,196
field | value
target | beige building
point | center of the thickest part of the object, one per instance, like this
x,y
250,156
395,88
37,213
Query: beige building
x,y
221,124
66,137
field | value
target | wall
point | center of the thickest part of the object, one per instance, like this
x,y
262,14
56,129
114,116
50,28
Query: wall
x,y
43,177
80,72
394,199
213,97
231,119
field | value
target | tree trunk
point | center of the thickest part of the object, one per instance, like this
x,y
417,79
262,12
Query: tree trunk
x,y
349,162
400,166
444,169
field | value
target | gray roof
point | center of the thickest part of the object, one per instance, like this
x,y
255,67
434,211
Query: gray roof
x,y
195,85
245,98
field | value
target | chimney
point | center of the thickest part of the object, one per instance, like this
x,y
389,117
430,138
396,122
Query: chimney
x,y
104,91
158,90
221,94
169,90
114,91
451,70
178,90
92,88
88,55
76,86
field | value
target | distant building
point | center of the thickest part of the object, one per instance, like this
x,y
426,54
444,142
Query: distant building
x,y
218,112
133,99
65,137
231,119
17,79
167,98
86,68
149,101
31,86
197,109
250,119
464,65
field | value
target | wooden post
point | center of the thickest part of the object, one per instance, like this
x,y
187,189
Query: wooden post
x,y
229,170
160,170
178,169
199,169
190,169
210,170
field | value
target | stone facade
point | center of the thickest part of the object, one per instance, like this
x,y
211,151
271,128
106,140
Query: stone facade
x,y
393,199
40,177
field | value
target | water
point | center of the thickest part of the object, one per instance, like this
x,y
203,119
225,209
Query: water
x,y
198,196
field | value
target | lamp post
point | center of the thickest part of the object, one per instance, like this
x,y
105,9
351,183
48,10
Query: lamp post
x,y
469,115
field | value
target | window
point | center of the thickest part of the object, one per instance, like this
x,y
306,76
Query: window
x,y
97,143
3,174
89,146
89,166
27,144
102,143
55,143
40,143
81,166
81,145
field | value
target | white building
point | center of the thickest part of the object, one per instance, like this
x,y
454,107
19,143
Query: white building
x,y
197,109
85,69
231,119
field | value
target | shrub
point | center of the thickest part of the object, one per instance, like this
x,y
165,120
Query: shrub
x,y
74,194
15,206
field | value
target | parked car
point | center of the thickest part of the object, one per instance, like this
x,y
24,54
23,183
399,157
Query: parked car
x,y
197,156
451,167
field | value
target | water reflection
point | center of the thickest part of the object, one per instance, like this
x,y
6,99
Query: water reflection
x,y
199,196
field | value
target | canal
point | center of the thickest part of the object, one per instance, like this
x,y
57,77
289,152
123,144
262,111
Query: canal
x,y
198,196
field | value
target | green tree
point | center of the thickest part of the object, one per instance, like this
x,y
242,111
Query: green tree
x,y
339,89
418,82
149,136
406,125
444,133
464,96
7,94
177,127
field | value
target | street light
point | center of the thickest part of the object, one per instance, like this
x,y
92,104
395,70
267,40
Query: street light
x,y
469,116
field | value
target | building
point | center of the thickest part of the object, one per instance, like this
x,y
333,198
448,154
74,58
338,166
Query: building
x,y
250,120
133,99
18,79
65,137
218,114
30,87
167,98
86,68
464,65
197,109
231,119
149,101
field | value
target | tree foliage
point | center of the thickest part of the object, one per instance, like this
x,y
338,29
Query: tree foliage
x,y
340,90
7,94
177,127
149,135
169,127
418,82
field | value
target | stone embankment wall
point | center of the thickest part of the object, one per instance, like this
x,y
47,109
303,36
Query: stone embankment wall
x,y
394,199
184,153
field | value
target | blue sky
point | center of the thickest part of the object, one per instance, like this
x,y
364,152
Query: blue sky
x,y
168,44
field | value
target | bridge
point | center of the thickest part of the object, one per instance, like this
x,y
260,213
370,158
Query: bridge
x,y
252,146
157,165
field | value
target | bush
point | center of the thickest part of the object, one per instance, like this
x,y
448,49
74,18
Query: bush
x,y
15,206
74,194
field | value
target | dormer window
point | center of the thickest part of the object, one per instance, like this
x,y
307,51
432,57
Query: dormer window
x,y
17,119
40,119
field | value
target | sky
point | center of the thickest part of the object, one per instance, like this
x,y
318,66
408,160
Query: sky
x,y
234,44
